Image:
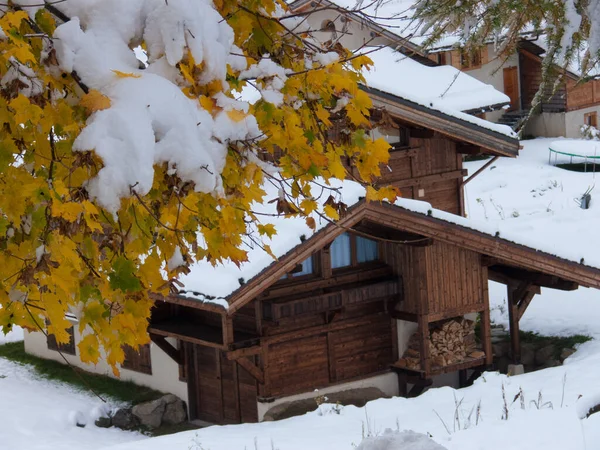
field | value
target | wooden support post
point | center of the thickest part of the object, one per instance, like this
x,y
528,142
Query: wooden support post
x,y
227,324
402,385
424,343
524,303
486,325
463,378
513,319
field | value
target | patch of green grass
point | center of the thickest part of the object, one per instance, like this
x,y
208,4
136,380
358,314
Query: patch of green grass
x,y
557,341
124,391
172,429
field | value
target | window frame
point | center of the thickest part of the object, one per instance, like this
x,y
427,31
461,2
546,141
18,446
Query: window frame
x,y
69,349
591,119
470,60
134,359
354,254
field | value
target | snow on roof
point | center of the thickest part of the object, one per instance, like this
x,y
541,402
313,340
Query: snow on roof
x,y
213,284
444,88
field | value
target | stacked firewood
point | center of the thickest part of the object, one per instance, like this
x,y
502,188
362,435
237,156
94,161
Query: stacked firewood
x,y
450,342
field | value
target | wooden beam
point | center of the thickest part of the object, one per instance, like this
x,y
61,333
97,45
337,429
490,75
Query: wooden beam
x,y
507,274
486,323
181,299
401,315
524,303
185,338
251,368
243,352
468,149
227,326
166,347
358,276
428,179
458,129
422,133
424,343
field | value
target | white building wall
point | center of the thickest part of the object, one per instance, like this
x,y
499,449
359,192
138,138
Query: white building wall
x,y
492,73
351,33
574,121
165,371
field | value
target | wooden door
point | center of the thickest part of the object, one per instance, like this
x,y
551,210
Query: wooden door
x,y
511,86
219,390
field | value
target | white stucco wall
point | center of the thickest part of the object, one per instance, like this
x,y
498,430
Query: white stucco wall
x,y
352,34
492,73
574,120
165,371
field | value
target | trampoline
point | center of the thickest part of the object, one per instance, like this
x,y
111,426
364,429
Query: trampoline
x,y
575,154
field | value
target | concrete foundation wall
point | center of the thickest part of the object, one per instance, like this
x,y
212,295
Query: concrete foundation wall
x,y
547,125
386,383
165,371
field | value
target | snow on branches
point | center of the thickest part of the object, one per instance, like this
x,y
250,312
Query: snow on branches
x,y
127,152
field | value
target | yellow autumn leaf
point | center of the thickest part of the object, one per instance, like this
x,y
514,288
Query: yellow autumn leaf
x,y
95,101
331,212
120,74
236,115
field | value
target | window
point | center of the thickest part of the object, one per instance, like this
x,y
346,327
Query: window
x,y
348,250
591,119
470,59
69,348
366,250
138,361
396,135
306,268
340,252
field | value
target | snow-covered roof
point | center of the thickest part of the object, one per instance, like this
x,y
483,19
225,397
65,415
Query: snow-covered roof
x,y
442,86
211,283
214,284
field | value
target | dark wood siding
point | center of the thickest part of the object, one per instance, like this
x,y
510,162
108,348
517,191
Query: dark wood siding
x,y
454,281
531,78
426,157
220,391
360,347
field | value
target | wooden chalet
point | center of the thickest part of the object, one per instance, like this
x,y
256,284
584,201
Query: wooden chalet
x,y
328,312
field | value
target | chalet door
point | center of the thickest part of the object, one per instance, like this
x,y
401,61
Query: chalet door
x,y
511,86
219,390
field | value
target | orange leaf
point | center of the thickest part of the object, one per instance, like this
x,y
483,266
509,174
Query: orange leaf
x,y
126,74
95,101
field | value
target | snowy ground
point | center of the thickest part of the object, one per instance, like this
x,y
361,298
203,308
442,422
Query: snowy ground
x,y
538,200
37,414
529,196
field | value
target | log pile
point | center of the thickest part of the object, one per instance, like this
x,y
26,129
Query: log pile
x,y
450,342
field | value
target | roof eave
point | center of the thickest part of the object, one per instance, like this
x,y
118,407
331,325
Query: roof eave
x,y
494,142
